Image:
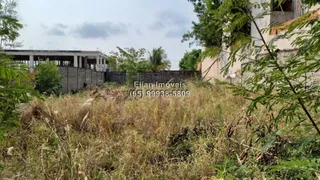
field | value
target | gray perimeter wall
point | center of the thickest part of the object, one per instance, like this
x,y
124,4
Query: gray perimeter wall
x,y
74,78
153,77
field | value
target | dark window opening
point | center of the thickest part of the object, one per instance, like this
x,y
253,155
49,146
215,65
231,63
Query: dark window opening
x,y
284,6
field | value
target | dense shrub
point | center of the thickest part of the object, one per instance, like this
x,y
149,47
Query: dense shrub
x,y
48,78
14,88
14,82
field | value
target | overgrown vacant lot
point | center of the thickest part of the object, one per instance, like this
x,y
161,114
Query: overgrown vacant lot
x,y
204,136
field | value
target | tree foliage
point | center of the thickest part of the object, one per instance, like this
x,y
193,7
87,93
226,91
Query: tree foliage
x,y
213,16
15,84
131,60
207,31
277,82
15,88
158,60
48,78
9,24
285,87
286,80
190,60
134,61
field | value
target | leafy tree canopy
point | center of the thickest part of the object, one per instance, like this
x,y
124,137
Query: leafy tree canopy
x,y
132,61
203,32
158,60
9,24
190,60
213,16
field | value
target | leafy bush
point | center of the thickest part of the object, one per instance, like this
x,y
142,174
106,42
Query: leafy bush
x,y
14,88
190,60
14,81
48,78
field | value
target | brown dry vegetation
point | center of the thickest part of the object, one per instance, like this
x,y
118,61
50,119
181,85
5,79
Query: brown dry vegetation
x,y
117,137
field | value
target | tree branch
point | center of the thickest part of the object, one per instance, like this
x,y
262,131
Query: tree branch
x,y
285,76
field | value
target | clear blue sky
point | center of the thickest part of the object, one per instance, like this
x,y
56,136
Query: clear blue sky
x,y
105,24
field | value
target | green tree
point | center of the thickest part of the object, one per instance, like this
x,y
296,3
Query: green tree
x,y
285,88
15,84
112,61
274,82
48,78
158,60
127,60
207,30
132,61
15,88
9,24
190,60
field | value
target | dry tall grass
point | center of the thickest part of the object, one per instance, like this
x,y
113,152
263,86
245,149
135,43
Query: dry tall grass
x,y
112,136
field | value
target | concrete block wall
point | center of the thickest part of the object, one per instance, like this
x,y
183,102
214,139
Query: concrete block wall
x,y
64,81
117,77
88,76
82,77
153,77
74,78
166,76
94,78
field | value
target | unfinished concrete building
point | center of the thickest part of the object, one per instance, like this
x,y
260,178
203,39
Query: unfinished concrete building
x,y
94,60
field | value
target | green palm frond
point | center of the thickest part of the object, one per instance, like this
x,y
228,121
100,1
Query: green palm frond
x,y
158,59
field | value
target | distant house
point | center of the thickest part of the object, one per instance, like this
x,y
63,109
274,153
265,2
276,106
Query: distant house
x,y
288,13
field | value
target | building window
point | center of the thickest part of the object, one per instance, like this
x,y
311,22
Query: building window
x,y
284,6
